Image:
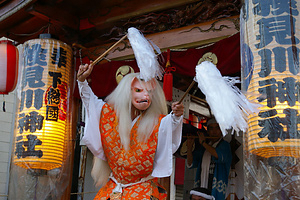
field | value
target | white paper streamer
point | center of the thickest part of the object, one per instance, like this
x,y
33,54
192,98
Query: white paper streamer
x,y
229,106
144,54
200,194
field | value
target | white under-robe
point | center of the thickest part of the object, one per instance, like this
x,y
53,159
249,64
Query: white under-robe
x,y
169,134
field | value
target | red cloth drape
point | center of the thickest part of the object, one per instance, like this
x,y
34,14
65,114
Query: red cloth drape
x,y
226,50
179,171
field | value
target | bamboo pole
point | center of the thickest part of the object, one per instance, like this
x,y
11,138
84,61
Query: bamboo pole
x,y
104,54
187,91
108,50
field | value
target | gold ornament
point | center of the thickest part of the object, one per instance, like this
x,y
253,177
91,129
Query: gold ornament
x,y
209,57
122,71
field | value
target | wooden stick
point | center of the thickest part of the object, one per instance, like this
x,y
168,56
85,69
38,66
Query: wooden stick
x,y
104,54
108,50
78,45
187,91
192,136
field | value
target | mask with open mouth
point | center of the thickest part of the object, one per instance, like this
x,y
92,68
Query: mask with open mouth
x,y
141,94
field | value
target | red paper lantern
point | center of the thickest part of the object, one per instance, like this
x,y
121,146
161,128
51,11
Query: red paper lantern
x,y
9,58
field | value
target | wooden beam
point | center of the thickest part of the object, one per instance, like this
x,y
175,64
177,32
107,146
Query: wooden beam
x,y
185,37
12,7
129,9
23,30
50,14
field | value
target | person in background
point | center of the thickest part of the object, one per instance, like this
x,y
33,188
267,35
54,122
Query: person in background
x,y
200,193
212,160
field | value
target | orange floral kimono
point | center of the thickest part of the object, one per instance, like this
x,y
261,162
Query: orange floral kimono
x,y
128,167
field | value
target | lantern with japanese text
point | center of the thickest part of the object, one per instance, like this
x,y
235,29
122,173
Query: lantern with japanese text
x,y
9,58
270,37
43,123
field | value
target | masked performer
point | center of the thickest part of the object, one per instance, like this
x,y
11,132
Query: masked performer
x,y
131,137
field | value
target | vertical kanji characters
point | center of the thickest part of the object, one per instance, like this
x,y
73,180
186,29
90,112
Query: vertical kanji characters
x,y
59,57
35,55
279,55
53,97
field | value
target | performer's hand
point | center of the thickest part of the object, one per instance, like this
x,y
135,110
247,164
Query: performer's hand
x,y
201,137
84,71
177,109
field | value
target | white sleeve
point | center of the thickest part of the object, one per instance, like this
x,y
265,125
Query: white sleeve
x,y
93,107
169,138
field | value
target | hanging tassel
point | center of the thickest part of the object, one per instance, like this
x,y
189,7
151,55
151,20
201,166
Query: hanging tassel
x,y
168,79
168,85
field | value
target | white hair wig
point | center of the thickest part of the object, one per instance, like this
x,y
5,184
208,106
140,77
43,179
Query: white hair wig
x,y
120,99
